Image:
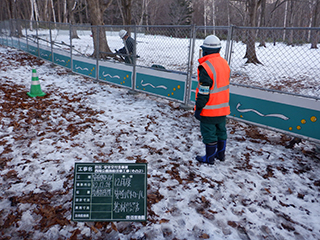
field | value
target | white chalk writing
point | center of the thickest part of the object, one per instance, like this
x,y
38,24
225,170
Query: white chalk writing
x,y
127,207
122,182
101,192
128,194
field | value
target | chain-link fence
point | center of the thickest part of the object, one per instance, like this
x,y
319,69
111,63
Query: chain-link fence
x,y
274,58
164,46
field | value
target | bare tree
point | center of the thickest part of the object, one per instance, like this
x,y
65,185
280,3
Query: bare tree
x,y
314,23
290,21
13,13
206,15
153,9
262,23
252,8
180,12
145,11
65,18
96,10
213,14
71,10
125,11
34,11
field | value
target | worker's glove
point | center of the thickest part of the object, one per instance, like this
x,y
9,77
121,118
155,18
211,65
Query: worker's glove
x,y
197,114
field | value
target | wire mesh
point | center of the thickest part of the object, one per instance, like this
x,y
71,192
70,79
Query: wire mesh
x,y
114,43
81,39
60,37
201,34
278,59
273,58
163,47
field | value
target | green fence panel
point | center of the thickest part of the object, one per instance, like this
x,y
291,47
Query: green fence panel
x,y
118,74
62,59
84,66
294,115
33,49
166,84
46,54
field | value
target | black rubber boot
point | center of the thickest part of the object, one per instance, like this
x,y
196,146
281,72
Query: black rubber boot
x,y
211,152
221,149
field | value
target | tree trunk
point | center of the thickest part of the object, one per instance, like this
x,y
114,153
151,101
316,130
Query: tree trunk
x,y
213,16
53,12
65,20
59,11
290,40
252,7
125,10
96,10
12,12
46,13
285,21
315,34
205,16
143,10
262,24
71,10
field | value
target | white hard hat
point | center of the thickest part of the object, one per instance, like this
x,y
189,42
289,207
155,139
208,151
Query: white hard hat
x,y
211,41
122,33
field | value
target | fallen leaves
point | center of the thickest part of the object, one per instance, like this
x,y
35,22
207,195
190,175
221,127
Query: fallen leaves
x,y
163,220
10,175
51,215
204,236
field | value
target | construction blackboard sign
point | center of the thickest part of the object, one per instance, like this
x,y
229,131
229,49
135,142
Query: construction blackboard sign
x,y
110,192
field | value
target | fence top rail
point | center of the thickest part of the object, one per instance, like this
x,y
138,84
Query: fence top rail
x,y
278,28
212,27
147,26
41,22
161,26
276,91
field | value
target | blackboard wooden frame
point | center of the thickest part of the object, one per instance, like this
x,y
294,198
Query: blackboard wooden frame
x,y
106,192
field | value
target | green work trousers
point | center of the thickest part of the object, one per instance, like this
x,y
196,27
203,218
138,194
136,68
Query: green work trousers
x,y
212,132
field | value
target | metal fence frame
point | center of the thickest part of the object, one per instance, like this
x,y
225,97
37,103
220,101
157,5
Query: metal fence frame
x,y
256,98
192,32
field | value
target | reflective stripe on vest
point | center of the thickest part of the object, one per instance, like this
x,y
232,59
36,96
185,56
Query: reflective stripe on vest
x,y
216,89
216,106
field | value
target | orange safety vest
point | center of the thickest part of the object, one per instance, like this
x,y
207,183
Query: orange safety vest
x,y
219,71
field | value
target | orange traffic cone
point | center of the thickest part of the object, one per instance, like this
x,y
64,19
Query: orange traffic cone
x,y
35,90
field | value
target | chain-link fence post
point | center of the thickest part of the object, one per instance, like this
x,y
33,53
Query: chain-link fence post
x,y
70,38
26,30
51,43
134,59
1,39
18,33
187,104
97,52
10,27
37,36
229,44
27,40
1,32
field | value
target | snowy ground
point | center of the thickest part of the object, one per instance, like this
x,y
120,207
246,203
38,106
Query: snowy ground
x,y
264,190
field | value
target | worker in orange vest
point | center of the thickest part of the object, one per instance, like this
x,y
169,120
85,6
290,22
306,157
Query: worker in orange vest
x,y
212,100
